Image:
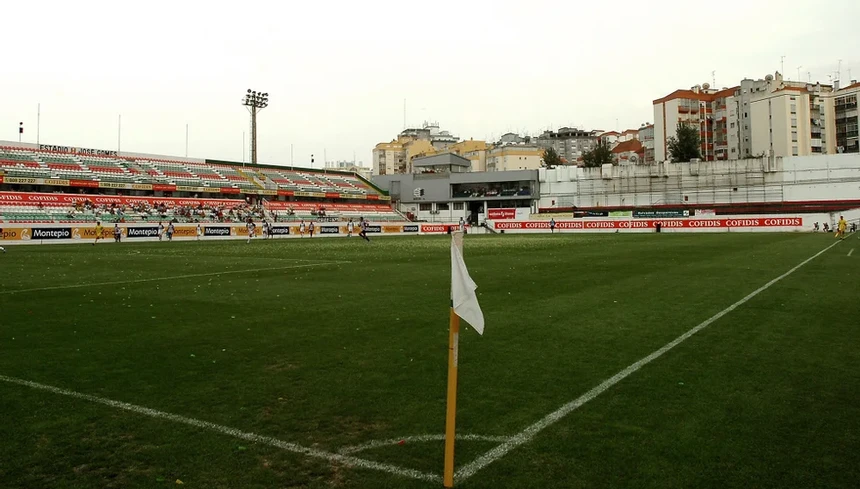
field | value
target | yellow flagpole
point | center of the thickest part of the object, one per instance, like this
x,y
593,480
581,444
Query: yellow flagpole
x,y
453,351
450,418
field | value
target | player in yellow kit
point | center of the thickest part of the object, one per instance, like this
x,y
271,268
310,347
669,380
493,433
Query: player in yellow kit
x,y
99,232
841,227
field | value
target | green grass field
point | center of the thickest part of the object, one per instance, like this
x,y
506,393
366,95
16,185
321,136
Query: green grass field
x,y
328,345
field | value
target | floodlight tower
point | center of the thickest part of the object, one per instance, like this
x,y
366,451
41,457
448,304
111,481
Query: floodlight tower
x,y
255,102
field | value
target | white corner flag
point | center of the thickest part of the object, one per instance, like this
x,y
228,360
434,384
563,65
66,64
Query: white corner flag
x,y
463,298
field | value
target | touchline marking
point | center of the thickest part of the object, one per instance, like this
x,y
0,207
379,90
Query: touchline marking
x,y
175,277
527,434
418,439
226,430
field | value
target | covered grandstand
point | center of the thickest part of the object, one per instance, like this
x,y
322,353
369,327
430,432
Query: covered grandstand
x,y
45,183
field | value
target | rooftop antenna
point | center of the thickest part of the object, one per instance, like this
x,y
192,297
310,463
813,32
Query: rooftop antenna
x,y
798,72
809,76
714,79
839,70
404,114
782,65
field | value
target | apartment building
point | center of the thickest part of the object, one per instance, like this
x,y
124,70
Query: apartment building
x,y
679,107
792,121
646,137
396,156
770,116
569,143
515,157
846,118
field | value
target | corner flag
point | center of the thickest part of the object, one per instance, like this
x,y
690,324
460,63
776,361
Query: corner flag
x,y
463,298
464,304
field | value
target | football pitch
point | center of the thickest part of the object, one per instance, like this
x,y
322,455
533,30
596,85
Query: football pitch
x,y
608,361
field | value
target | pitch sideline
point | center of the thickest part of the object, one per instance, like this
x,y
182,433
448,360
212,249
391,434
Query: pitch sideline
x,y
347,460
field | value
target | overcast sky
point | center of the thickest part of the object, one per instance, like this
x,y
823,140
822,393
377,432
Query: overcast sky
x,y
338,74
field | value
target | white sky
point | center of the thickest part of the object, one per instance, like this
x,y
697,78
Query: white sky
x,y
338,73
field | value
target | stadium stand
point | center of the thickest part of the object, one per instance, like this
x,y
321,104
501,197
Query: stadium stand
x,y
294,211
289,193
18,162
66,208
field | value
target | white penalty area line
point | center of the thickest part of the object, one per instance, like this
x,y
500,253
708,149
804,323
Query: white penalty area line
x,y
850,252
418,439
346,460
175,277
527,434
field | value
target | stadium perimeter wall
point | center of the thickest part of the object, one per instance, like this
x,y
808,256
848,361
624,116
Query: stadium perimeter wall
x,y
32,233
70,233
697,224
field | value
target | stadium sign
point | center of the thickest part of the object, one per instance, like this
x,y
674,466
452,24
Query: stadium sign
x,y
147,232
51,233
329,229
661,214
412,228
80,151
216,231
279,230
374,229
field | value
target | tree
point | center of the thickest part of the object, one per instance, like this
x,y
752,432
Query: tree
x,y
551,159
685,145
599,156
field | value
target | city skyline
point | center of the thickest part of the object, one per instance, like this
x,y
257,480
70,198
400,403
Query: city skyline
x,y
329,96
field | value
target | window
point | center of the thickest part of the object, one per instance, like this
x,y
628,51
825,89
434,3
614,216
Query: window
x,y
732,125
793,136
458,206
793,109
442,206
794,150
794,122
733,150
423,207
746,114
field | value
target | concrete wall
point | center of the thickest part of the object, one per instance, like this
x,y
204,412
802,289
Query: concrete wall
x,y
802,178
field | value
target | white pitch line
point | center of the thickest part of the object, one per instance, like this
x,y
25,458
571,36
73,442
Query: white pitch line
x,y
852,251
226,430
175,277
418,439
527,434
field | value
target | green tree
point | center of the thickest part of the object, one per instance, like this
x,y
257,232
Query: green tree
x,y
599,156
551,159
685,145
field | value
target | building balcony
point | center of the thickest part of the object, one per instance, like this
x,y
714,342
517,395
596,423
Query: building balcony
x,y
683,110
